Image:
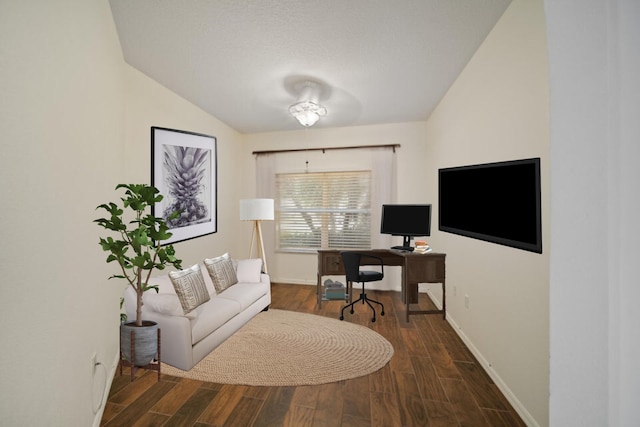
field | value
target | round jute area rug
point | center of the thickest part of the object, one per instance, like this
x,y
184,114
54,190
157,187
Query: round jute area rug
x,y
286,348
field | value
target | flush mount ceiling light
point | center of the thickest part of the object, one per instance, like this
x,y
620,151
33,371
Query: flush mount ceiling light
x,y
307,110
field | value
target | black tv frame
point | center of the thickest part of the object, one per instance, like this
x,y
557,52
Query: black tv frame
x,y
512,188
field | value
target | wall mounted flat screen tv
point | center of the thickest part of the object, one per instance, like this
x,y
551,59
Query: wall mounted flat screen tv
x,y
495,202
407,221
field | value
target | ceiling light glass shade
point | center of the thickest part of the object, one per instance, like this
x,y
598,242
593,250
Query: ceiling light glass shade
x,y
307,112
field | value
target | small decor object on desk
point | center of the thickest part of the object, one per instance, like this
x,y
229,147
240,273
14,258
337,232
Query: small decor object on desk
x,y
422,247
137,250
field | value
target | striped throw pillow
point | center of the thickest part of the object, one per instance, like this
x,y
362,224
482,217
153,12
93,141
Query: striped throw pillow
x,y
190,287
221,272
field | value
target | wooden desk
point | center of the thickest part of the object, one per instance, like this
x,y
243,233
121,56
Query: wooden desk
x,y
416,268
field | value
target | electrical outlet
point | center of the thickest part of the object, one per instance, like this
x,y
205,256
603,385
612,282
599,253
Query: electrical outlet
x,y
94,362
466,301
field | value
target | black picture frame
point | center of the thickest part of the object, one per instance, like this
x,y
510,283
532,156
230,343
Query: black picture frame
x,y
184,167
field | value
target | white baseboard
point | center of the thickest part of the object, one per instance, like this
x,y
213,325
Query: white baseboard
x,y
293,281
105,395
513,400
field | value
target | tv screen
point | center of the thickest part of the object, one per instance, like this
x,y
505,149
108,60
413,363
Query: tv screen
x,y
495,202
406,220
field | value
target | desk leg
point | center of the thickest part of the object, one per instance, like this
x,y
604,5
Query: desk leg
x,y
319,291
403,293
444,302
410,297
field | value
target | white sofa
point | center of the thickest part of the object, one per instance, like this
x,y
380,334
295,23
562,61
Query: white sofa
x,y
187,339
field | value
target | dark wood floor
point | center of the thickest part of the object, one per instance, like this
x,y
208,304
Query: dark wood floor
x,y
432,380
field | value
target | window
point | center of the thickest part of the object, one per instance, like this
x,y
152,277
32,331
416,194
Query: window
x,y
330,210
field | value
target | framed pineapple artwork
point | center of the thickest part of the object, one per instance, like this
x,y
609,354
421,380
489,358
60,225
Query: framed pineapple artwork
x,y
184,169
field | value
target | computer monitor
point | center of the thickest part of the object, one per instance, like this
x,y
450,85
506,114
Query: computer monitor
x,y
407,221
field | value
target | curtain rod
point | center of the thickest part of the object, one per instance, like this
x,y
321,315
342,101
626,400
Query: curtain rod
x,y
291,150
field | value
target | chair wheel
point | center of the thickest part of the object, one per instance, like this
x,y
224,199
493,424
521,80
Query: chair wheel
x,y
341,317
382,314
352,311
373,320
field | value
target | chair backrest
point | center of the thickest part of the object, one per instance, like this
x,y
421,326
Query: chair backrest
x,y
351,262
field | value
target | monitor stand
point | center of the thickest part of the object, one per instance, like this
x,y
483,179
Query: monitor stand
x,y
406,244
403,248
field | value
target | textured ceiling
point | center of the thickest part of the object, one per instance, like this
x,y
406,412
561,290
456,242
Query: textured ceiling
x,y
379,61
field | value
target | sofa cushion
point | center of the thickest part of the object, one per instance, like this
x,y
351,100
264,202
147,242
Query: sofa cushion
x,y
190,288
211,315
163,283
162,303
249,270
165,303
221,271
245,294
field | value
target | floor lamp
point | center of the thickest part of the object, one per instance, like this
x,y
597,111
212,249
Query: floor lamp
x,y
257,210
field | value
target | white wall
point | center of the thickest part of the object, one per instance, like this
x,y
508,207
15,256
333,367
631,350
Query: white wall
x,y
498,110
150,104
62,153
75,122
595,105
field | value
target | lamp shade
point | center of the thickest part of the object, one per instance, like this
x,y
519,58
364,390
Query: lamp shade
x,y
256,209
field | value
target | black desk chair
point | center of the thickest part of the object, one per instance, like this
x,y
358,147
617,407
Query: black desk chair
x,y
351,262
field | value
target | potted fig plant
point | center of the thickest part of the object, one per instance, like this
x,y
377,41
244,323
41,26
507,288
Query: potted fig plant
x,y
137,249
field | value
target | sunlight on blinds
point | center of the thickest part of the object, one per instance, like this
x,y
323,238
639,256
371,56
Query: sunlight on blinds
x,y
330,210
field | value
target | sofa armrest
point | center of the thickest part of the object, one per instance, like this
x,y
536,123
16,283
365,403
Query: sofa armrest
x,y
264,278
175,332
175,338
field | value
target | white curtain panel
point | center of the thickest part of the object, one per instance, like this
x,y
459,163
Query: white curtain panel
x,y
266,188
383,191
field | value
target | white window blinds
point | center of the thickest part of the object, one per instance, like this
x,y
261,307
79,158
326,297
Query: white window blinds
x,y
328,210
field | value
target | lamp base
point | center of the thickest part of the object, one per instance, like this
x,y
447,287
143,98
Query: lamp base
x,y
257,235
